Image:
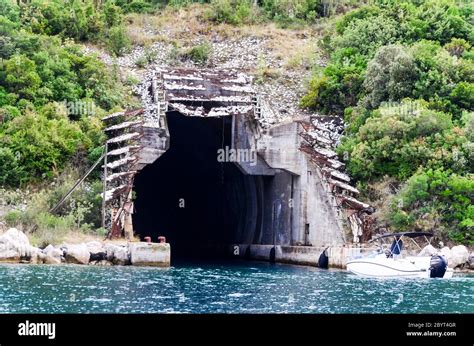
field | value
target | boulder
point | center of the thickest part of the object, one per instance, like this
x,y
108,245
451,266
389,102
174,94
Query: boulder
x,y
100,263
97,251
150,254
446,252
54,252
76,253
116,254
49,248
36,256
459,256
52,255
470,260
48,259
15,246
428,250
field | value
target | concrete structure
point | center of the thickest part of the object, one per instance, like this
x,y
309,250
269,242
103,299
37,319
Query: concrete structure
x,y
302,255
207,170
150,254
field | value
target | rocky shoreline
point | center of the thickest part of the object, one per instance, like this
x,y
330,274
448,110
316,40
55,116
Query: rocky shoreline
x,y
15,247
458,256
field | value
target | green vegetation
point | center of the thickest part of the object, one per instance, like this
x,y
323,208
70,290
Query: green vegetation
x,y
78,215
401,73
239,12
52,96
198,54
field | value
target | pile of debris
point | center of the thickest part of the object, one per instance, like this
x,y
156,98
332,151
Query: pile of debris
x,y
281,92
124,132
205,92
320,137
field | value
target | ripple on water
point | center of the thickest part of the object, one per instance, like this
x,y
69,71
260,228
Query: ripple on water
x,y
242,287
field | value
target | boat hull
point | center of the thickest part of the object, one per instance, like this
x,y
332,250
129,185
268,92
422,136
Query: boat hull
x,y
382,267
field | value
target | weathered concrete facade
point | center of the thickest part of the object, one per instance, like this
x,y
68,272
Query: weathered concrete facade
x,y
292,194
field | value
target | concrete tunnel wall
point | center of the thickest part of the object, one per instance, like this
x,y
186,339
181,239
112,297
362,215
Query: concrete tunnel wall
x,y
316,220
278,201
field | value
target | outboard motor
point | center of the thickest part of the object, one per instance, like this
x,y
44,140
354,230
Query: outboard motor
x,y
438,266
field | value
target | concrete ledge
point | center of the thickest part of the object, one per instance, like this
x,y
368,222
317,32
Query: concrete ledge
x,y
260,252
150,254
301,255
305,255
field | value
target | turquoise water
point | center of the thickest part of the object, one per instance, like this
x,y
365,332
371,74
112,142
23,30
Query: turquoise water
x,y
239,287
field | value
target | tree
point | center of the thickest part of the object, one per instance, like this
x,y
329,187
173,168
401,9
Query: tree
x,y
118,42
390,75
21,76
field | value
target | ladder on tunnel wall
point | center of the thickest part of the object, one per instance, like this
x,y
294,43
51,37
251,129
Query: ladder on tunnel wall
x,y
124,131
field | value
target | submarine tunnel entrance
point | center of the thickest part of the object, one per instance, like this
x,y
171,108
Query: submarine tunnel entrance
x,y
193,199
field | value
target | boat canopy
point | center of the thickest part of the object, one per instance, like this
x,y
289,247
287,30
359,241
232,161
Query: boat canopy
x,y
403,234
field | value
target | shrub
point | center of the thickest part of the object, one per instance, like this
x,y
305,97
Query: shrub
x,y
139,6
339,85
420,67
366,35
118,41
463,95
80,214
390,75
436,68
199,54
457,46
397,139
11,172
288,11
40,145
438,201
13,218
21,76
233,12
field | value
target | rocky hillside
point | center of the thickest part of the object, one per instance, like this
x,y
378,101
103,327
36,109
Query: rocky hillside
x,y
280,60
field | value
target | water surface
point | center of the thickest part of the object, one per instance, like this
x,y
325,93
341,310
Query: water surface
x,y
238,287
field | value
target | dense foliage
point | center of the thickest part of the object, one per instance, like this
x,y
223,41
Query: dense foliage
x,y
401,73
51,94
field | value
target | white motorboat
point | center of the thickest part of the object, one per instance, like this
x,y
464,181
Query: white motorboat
x,y
392,262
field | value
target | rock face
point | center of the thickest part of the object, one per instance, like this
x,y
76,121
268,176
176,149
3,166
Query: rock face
x,y
116,254
150,254
15,246
77,254
97,251
446,252
459,256
428,250
100,263
52,255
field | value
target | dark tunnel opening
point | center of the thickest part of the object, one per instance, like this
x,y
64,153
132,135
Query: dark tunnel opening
x,y
190,197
